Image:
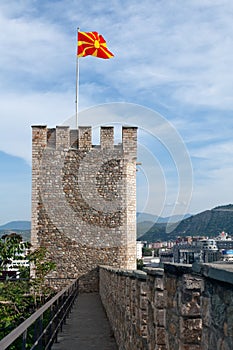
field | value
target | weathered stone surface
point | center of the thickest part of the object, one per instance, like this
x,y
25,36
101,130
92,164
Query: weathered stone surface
x,y
192,282
195,315
191,330
160,299
190,303
160,317
191,347
160,336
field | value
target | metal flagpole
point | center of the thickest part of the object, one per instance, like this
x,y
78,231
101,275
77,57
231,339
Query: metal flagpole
x,y
77,83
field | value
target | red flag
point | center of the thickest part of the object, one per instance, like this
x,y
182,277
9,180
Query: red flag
x,y
92,43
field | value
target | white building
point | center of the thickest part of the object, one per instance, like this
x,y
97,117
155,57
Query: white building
x,y
139,249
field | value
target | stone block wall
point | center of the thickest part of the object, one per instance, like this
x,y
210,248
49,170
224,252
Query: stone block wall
x,y
124,296
216,306
183,307
84,200
180,307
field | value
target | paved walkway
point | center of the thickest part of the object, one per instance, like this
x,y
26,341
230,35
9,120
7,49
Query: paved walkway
x,y
87,327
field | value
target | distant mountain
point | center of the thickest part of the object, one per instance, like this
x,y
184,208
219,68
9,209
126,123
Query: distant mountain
x,y
156,233
207,223
146,221
143,227
26,234
174,218
141,217
16,225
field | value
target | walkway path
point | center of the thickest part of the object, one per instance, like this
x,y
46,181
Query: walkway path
x,y
87,327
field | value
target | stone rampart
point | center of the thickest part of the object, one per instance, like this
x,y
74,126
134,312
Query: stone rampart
x,y
180,307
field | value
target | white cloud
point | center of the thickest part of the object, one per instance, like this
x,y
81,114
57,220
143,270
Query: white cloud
x,y
217,190
190,54
20,111
172,55
191,51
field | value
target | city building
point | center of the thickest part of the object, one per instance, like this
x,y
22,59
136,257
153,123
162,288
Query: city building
x,y
139,247
166,255
187,253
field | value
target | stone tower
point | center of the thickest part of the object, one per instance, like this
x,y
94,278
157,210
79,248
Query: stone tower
x,y
84,200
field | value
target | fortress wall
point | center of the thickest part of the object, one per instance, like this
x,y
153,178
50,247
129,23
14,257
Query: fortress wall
x,y
84,200
180,307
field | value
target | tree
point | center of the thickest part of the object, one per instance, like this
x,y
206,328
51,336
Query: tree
x,y
12,247
146,251
20,298
156,252
41,266
15,301
139,264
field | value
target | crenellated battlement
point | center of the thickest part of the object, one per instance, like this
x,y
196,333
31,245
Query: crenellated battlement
x,y
62,137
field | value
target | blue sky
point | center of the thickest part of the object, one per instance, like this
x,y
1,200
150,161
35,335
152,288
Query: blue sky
x,y
171,57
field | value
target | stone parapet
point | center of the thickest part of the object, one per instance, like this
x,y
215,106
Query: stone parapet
x,y
124,296
107,137
179,307
62,138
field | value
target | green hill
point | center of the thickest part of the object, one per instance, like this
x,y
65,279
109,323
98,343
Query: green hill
x,y
146,221
143,227
207,223
26,234
16,225
156,233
